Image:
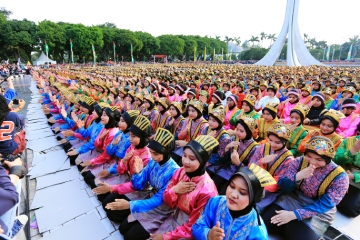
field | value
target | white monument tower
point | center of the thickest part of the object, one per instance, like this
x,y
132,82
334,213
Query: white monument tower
x,y
297,53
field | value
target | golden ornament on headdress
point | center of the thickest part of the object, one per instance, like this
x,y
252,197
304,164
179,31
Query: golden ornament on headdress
x,y
304,109
103,105
218,113
164,102
113,108
250,122
196,104
142,122
122,90
272,106
336,115
327,91
89,101
262,175
133,113
163,136
350,89
177,105
149,98
139,96
322,146
250,99
207,142
281,130
307,88
131,93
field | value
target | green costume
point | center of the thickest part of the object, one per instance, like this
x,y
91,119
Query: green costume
x,y
253,114
343,155
296,137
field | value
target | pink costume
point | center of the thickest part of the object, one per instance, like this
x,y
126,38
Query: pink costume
x,y
305,100
286,111
347,126
143,153
100,144
188,206
180,98
172,98
228,116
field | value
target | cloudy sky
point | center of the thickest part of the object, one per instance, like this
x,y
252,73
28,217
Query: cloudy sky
x,y
333,21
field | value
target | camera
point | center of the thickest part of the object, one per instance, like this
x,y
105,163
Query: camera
x,y
15,101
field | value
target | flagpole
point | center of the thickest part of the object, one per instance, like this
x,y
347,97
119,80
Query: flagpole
x,y
72,53
194,54
114,53
132,57
205,54
222,54
47,53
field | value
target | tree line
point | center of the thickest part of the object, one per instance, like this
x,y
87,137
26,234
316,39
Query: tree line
x,y
20,38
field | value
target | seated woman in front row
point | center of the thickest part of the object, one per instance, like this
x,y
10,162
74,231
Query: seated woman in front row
x,y
312,186
189,190
139,217
234,215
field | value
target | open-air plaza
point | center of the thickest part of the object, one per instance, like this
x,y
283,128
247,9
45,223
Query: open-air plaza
x,y
140,127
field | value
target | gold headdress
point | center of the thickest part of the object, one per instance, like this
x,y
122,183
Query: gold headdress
x,y
250,99
196,104
272,106
322,146
262,175
280,130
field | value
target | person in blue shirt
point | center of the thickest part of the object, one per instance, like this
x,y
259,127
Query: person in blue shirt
x,y
92,132
233,216
142,213
9,121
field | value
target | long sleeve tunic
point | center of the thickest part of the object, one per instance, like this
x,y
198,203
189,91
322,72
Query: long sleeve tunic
x,y
191,203
128,167
347,126
90,133
309,187
101,145
344,156
243,227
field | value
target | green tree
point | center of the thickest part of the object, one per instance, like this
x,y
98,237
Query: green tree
x,y
125,38
55,36
254,39
272,38
18,38
190,45
83,37
150,44
171,45
254,53
262,37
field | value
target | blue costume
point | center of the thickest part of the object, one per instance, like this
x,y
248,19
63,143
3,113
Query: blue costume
x,y
119,149
243,227
158,176
91,132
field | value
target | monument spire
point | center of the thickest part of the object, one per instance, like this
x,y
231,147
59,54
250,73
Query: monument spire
x,y
297,53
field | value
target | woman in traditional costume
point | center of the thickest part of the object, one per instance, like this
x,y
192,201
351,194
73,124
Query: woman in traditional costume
x,y
233,216
92,167
348,156
269,118
142,212
329,121
193,126
216,130
312,186
237,153
274,157
247,110
188,191
177,120
230,110
298,132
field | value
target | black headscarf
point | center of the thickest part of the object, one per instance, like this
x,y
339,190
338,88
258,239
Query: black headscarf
x,y
247,129
114,118
272,113
98,111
